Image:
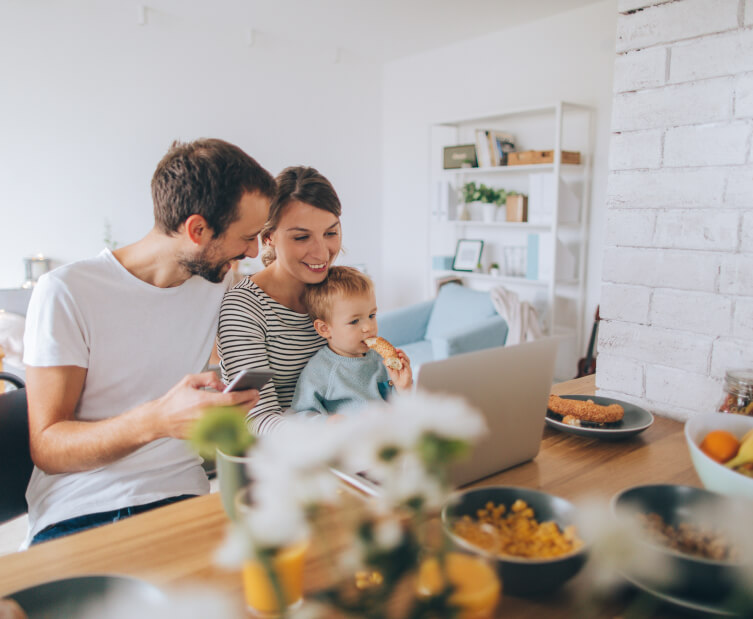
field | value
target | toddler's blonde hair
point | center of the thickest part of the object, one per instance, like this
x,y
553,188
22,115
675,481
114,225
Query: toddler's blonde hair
x,y
340,282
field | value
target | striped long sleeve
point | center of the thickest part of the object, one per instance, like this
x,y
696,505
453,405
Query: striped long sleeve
x,y
256,331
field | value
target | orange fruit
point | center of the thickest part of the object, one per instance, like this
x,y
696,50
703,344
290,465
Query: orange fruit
x,y
477,588
720,445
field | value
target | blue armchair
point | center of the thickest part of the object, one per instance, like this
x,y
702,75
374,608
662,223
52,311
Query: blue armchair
x,y
459,320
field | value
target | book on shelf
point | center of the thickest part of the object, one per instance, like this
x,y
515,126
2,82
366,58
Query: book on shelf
x,y
493,146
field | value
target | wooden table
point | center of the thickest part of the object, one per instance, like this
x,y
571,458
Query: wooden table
x,y
175,544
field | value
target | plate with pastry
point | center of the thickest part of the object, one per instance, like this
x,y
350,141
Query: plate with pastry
x,y
596,417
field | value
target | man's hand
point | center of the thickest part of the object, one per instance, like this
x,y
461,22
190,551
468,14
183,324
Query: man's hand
x,y
179,408
402,379
60,443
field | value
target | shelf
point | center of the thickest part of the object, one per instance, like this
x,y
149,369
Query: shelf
x,y
512,225
496,278
509,225
515,169
562,190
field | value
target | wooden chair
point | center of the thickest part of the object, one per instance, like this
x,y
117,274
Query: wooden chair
x,y
15,458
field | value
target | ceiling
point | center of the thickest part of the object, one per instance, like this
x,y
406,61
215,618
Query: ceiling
x,y
380,30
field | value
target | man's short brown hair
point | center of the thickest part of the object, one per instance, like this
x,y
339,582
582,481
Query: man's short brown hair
x,y
207,177
341,281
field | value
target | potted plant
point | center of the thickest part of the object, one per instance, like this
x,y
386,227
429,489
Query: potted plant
x,y
494,269
488,199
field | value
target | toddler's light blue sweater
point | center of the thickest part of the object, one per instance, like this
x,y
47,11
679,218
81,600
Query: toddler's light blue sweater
x,y
330,382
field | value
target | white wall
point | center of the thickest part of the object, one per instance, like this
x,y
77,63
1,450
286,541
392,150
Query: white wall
x,y
90,101
568,56
677,299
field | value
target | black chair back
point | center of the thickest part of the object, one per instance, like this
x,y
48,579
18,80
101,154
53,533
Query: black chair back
x,y
15,458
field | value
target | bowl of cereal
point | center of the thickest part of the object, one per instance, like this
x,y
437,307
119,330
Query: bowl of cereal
x,y
698,537
529,535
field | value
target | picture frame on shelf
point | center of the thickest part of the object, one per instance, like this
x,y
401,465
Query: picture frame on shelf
x,y
461,156
467,255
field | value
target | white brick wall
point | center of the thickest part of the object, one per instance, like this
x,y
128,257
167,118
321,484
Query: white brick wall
x,y
710,314
683,104
631,227
677,293
702,229
645,68
699,391
664,188
724,54
742,320
625,6
744,95
661,268
625,303
739,192
704,145
639,149
675,21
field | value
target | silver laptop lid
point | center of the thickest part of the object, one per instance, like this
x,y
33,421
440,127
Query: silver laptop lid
x,y
510,386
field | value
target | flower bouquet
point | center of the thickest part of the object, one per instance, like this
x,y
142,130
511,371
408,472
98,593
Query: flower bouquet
x,y
378,559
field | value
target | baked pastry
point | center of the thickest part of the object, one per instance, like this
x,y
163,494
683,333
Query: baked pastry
x,y
585,412
386,350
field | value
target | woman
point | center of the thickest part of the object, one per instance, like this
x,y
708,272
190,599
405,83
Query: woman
x,y
263,322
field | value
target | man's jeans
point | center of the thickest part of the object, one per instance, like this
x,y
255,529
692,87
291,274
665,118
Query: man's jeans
x,y
90,521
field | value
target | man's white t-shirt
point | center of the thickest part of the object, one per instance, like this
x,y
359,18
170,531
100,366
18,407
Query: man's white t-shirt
x,y
136,341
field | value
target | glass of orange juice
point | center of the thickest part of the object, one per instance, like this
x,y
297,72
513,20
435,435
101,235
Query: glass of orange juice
x,y
276,575
477,589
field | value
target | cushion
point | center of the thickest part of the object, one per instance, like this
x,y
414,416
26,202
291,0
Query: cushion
x,y
455,307
418,353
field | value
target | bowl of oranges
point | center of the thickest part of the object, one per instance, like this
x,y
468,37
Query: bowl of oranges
x,y
721,448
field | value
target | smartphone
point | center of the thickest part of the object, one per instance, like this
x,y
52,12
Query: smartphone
x,y
250,378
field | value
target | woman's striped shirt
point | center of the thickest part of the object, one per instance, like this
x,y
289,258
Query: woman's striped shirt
x,y
256,331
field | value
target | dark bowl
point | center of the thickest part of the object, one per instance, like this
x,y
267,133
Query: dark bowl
x,y
520,576
692,575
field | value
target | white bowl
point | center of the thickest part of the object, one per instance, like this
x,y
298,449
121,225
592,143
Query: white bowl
x,y
715,476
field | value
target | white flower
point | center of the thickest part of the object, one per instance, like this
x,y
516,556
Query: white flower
x,y
616,547
276,524
388,533
444,415
235,548
290,468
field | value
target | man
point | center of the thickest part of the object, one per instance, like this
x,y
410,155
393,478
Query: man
x,y
113,344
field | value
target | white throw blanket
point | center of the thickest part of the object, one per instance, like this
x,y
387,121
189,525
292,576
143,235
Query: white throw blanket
x,y
522,318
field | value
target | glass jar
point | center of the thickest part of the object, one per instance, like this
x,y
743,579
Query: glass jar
x,y
738,393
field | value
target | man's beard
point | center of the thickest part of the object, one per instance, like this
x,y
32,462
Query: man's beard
x,y
203,266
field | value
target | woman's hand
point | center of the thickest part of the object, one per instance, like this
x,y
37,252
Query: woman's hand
x,y
402,379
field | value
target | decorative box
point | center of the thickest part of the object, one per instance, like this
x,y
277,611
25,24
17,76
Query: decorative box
x,y
517,208
528,157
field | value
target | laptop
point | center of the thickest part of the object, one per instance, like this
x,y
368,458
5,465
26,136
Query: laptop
x,y
510,386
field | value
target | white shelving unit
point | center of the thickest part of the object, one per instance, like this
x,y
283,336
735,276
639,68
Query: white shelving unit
x,y
559,296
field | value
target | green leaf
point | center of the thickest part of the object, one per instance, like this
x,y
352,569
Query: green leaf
x,y
222,428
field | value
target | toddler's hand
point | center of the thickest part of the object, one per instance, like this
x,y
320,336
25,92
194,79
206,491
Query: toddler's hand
x,y
402,379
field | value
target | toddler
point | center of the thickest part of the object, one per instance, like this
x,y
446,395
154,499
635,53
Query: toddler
x,y
346,372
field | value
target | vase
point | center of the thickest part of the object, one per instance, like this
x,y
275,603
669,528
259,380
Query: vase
x,y
489,212
476,210
232,475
